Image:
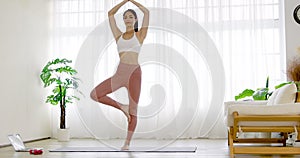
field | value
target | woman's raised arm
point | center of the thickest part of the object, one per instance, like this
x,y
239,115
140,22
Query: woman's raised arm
x,y
112,21
145,24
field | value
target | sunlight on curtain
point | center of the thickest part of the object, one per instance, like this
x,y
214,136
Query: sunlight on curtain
x,y
246,34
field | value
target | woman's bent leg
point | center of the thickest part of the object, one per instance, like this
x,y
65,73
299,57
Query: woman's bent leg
x,y
99,93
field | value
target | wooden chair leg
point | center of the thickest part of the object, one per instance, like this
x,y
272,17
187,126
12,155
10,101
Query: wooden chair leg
x,y
298,130
230,141
285,137
228,138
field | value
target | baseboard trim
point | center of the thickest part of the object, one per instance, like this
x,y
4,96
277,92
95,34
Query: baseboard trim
x,y
28,141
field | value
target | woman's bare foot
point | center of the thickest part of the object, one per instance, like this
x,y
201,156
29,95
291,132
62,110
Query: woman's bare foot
x,y
125,147
125,110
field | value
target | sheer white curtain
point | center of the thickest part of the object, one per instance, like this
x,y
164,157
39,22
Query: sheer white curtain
x,y
177,59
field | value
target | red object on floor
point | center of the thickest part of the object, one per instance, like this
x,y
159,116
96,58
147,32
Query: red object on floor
x,y
36,151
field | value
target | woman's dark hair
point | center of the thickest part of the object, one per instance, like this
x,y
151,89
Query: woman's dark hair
x,y
136,25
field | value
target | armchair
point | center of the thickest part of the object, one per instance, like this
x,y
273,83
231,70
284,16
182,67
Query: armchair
x,y
279,114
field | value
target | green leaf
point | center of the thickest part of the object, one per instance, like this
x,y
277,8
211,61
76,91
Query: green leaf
x,y
75,84
64,91
51,100
58,81
56,90
267,82
69,102
66,69
76,79
282,84
56,61
45,76
57,97
260,94
245,93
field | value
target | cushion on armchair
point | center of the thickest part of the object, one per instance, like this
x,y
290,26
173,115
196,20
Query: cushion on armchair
x,y
283,95
272,98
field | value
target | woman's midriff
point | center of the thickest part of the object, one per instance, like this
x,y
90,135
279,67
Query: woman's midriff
x,y
129,57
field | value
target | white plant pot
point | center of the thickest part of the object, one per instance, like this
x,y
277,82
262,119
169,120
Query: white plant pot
x,y
63,135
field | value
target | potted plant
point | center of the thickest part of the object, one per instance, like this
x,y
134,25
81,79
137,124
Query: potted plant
x,y
61,77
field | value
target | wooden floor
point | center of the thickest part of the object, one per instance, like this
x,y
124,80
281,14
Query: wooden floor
x,y
206,148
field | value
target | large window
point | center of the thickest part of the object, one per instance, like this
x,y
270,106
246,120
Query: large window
x,y
245,32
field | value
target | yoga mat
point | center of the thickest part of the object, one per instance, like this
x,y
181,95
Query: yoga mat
x,y
132,149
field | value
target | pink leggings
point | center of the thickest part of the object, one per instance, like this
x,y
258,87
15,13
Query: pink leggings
x,y
128,76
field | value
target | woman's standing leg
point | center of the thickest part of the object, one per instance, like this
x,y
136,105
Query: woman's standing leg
x,y
134,89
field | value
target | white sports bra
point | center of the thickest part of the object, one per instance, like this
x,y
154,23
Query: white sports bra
x,y
130,45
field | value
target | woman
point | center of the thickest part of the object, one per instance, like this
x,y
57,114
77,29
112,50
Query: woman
x,y
129,72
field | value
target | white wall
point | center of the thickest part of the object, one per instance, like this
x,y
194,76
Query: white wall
x,y
292,29
24,49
